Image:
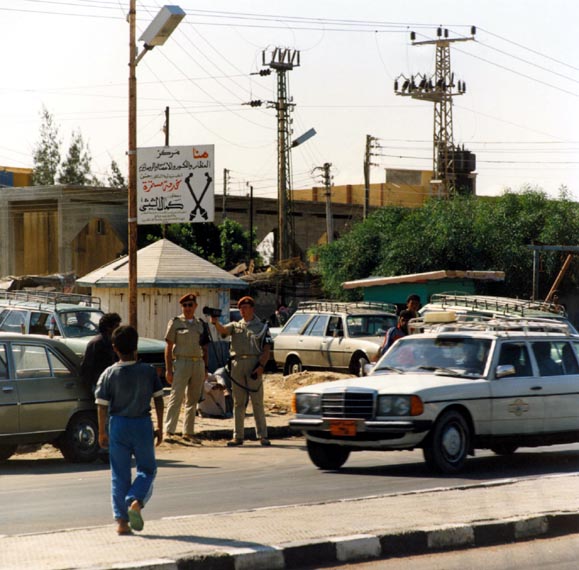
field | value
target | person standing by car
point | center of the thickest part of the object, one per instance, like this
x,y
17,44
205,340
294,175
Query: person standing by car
x,y
250,348
413,304
99,353
186,367
123,397
394,333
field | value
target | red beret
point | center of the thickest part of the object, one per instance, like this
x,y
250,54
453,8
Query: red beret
x,y
246,301
188,298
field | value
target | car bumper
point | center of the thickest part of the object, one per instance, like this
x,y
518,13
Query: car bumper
x,y
366,434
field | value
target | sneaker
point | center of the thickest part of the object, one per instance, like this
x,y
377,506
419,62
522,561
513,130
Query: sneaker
x,y
265,442
235,443
170,438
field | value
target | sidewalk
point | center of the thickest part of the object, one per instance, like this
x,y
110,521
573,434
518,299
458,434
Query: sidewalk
x,y
301,535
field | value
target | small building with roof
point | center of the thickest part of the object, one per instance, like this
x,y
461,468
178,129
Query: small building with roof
x,y
396,289
165,272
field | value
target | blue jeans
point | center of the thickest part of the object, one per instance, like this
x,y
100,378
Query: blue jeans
x,y
130,437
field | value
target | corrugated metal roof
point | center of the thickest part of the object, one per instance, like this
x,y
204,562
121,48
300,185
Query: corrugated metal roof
x,y
163,264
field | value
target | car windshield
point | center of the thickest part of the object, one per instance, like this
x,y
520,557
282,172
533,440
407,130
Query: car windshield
x,y
369,325
79,323
452,355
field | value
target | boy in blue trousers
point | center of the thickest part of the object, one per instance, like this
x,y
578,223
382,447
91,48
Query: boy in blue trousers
x,y
123,397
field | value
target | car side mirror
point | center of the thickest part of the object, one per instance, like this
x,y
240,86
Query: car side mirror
x,y
505,370
368,367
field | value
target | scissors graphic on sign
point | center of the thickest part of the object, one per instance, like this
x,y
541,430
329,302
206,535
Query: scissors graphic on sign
x,y
198,207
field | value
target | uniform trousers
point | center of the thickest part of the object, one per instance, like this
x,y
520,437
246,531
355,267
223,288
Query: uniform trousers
x,y
241,373
188,379
130,437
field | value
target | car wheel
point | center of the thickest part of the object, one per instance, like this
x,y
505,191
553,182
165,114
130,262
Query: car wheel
x,y
293,365
327,456
7,451
79,443
358,363
504,449
448,444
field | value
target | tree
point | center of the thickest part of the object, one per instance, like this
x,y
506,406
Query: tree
x,y
489,234
116,178
46,155
76,167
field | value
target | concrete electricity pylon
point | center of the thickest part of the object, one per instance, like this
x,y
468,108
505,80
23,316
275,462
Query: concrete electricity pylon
x,y
327,181
439,88
281,61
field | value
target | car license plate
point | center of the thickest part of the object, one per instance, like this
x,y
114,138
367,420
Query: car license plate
x,y
343,427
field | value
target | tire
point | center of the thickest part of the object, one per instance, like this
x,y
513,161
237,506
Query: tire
x,y
504,449
7,451
358,363
292,365
327,456
79,443
448,444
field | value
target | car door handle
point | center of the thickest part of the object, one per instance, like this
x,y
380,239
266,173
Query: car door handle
x,y
8,389
536,388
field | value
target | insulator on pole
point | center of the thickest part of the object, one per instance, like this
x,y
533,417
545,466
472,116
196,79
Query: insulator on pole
x,y
473,30
445,32
396,85
439,32
412,36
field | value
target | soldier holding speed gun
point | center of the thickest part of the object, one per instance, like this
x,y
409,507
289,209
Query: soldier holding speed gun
x,y
250,348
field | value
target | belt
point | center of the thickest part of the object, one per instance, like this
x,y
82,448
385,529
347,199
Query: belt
x,y
193,358
245,356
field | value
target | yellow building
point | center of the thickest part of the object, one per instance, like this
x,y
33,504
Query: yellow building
x,y
408,188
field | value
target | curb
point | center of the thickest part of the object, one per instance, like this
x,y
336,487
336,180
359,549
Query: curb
x,y
356,548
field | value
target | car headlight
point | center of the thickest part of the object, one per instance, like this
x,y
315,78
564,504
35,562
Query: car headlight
x,y
399,406
308,404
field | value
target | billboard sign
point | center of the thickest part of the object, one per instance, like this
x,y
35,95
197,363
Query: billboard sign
x,y
175,184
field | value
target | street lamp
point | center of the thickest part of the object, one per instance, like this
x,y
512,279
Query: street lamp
x,y
156,34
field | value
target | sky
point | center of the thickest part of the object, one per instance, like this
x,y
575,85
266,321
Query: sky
x,y
519,115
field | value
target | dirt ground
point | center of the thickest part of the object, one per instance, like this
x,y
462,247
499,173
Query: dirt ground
x,y
278,398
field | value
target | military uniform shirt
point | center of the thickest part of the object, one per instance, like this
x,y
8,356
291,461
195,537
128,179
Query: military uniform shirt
x,y
186,336
246,337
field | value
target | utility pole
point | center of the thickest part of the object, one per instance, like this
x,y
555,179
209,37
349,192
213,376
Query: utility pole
x,y
225,184
281,61
327,180
250,246
370,140
166,126
439,88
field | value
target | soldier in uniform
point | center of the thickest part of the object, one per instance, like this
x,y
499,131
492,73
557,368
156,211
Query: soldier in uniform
x,y
186,366
250,347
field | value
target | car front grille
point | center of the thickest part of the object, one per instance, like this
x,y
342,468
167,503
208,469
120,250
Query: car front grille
x,y
358,405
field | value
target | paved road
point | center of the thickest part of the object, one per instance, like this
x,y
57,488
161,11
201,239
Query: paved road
x,y
47,494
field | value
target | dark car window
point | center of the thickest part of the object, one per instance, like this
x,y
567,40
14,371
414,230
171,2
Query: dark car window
x,y
296,323
517,355
39,323
549,356
336,326
3,363
13,321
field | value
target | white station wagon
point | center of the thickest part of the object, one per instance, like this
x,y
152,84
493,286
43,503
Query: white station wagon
x,y
496,384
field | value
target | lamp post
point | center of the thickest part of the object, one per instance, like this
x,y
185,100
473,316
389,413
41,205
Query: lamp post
x,y
156,34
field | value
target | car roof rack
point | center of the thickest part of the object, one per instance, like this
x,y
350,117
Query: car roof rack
x,y
52,298
520,307
347,307
451,322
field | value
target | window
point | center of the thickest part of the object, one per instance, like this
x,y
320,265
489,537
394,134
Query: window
x,y
336,326
13,321
549,357
517,355
3,363
318,327
39,323
296,323
59,368
31,361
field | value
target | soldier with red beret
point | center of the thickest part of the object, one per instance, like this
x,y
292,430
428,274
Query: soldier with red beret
x,y
250,348
186,366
